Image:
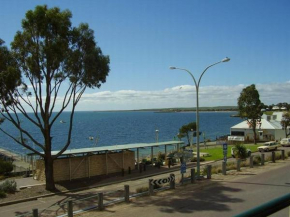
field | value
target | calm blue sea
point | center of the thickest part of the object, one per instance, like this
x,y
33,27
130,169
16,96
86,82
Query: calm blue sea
x,y
116,128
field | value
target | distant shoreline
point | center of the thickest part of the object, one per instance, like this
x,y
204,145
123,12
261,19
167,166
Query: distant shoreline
x,y
178,110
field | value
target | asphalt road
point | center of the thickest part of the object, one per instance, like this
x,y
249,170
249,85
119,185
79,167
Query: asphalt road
x,y
220,197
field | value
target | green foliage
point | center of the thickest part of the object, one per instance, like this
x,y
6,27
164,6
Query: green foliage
x,y
285,122
185,129
240,151
2,194
250,106
58,61
161,157
147,162
5,167
8,186
10,75
194,159
257,160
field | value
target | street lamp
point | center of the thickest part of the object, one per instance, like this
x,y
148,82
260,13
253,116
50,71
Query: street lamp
x,y
197,106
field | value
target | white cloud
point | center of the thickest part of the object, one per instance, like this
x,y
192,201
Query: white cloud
x,y
180,96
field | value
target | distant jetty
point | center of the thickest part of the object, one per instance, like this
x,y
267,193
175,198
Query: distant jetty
x,y
235,115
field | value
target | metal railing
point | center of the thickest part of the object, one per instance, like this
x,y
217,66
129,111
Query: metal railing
x,y
268,208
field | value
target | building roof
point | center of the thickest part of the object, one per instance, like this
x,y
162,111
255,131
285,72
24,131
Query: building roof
x,y
114,148
265,125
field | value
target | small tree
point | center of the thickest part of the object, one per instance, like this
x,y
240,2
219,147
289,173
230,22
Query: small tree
x,y
50,61
285,122
240,151
249,106
185,129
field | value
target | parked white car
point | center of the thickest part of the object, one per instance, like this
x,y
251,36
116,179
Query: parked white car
x,y
285,142
268,146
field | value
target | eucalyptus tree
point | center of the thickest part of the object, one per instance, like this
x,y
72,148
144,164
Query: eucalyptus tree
x,y
49,67
285,122
250,106
185,129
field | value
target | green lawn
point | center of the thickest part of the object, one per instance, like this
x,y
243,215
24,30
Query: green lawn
x,y
216,153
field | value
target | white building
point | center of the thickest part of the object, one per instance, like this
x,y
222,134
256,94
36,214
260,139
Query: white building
x,y
268,129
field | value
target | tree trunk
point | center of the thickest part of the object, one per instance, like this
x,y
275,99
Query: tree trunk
x,y
255,133
50,185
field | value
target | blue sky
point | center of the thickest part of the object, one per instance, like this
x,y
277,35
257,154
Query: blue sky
x,y
144,38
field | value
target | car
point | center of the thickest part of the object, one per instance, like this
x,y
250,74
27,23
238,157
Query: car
x,y
233,152
285,142
268,146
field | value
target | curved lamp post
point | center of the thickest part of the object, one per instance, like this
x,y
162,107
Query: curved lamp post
x,y
197,106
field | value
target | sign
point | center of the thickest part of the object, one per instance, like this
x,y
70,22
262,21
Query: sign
x,y
236,138
225,146
162,181
183,168
225,151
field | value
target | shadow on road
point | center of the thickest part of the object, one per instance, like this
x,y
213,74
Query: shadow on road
x,y
190,200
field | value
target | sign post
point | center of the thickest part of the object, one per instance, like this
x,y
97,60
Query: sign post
x,y
182,170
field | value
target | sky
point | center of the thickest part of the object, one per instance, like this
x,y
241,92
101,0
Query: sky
x,y
145,38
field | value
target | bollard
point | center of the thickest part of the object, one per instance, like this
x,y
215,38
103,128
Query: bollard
x,y
100,201
140,168
224,168
251,162
70,208
129,170
238,164
262,159
283,154
144,167
150,189
208,172
172,181
123,172
182,179
35,212
127,194
192,177
273,156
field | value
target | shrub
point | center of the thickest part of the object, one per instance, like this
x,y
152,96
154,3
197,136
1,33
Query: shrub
x,y
142,189
161,157
231,166
194,159
5,167
257,160
8,186
288,153
2,194
240,151
147,162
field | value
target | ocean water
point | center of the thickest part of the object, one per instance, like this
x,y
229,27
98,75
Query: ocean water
x,y
117,128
